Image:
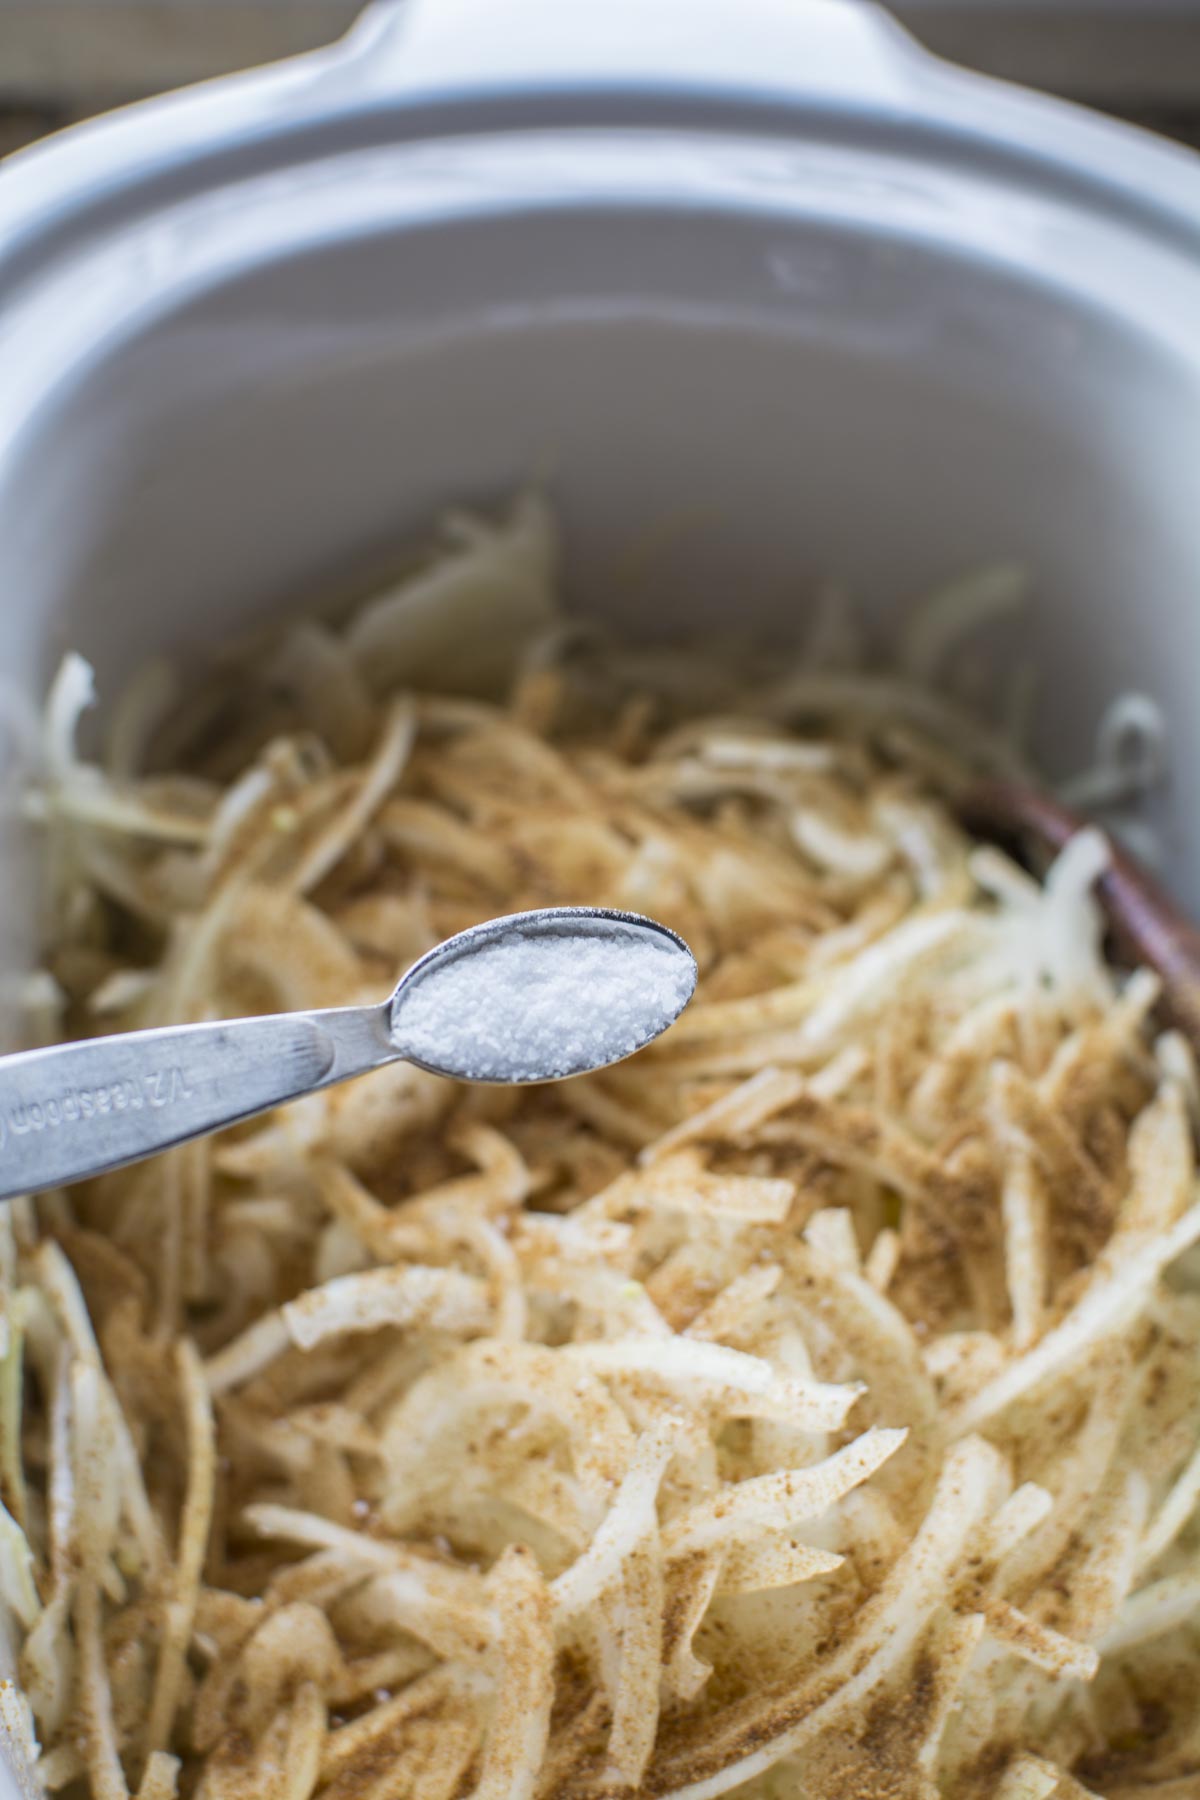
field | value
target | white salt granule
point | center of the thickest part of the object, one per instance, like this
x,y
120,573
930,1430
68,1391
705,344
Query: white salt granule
x,y
536,1004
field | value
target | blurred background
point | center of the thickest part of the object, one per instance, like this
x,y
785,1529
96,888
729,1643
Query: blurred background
x,y
61,60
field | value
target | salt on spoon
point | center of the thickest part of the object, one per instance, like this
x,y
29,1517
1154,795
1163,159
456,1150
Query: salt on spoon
x,y
539,996
535,996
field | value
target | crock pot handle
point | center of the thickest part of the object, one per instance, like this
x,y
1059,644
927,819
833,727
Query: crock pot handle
x,y
785,51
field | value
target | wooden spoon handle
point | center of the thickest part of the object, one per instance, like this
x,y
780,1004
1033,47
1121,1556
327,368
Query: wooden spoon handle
x,y
1147,924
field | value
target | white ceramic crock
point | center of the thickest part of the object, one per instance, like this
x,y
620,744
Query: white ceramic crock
x,y
758,275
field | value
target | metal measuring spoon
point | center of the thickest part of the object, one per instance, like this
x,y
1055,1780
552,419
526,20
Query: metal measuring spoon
x,y
532,997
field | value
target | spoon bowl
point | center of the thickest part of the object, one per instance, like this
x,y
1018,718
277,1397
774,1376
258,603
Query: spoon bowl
x,y
540,996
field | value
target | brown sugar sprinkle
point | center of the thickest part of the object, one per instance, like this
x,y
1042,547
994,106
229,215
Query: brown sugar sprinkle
x,y
811,1406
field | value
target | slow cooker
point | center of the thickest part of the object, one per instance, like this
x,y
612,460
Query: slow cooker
x,y
759,279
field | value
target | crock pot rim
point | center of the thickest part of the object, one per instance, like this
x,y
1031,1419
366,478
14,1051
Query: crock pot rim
x,y
60,331
374,87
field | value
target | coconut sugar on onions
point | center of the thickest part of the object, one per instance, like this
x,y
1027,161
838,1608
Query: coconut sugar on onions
x,y
808,1405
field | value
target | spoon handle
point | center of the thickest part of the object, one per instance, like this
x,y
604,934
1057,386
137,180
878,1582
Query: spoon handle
x,y
1148,925
76,1110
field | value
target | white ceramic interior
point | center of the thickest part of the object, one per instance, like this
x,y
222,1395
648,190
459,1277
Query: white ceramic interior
x,y
761,275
